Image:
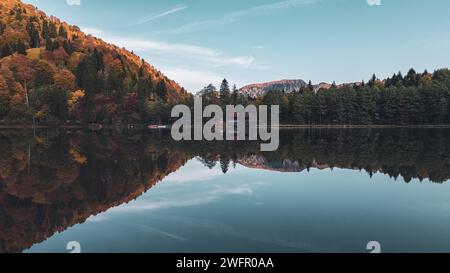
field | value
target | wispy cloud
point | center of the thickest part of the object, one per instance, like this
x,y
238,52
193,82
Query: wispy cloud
x,y
159,15
374,2
174,194
73,2
193,80
204,54
93,31
199,61
234,16
204,196
162,232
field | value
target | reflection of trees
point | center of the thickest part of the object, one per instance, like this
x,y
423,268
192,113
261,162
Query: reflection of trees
x,y
409,153
53,180
72,178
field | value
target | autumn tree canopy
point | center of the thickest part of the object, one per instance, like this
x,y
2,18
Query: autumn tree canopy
x,y
53,73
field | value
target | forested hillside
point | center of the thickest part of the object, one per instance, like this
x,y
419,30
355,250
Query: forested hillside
x,y
413,99
51,73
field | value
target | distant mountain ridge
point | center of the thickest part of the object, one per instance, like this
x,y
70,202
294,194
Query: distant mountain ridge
x,y
288,86
260,89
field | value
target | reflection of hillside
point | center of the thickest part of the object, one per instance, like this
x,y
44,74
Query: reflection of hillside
x,y
68,180
50,182
409,153
260,162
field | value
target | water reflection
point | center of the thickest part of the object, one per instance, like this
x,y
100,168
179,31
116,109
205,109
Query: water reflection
x,y
51,180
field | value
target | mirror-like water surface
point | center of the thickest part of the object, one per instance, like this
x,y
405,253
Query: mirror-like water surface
x,y
324,190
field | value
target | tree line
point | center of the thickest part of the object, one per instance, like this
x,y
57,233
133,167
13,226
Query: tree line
x,y
413,99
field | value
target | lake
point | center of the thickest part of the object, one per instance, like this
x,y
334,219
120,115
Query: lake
x,y
323,190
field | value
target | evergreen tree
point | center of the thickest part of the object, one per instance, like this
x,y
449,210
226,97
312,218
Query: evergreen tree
x,y
234,95
33,33
62,32
224,163
98,58
49,44
310,86
161,90
373,80
55,45
45,30
411,79
210,95
2,28
144,86
19,16
225,92
6,50
21,49
52,31
399,79
68,47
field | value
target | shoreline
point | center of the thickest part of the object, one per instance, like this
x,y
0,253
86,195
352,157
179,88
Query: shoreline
x,y
354,126
282,126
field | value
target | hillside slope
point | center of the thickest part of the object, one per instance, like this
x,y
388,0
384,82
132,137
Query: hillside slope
x,y
52,73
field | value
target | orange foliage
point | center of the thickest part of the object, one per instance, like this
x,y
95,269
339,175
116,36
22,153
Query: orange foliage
x,y
4,91
75,97
64,80
77,157
60,57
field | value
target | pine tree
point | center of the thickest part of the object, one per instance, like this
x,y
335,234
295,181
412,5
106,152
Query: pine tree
x,y
35,40
21,49
45,30
6,50
52,31
310,86
234,96
411,78
98,57
161,90
67,47
225,92
144,86
49,44
62,32
19,16
55,45
373,80
224,163
399,79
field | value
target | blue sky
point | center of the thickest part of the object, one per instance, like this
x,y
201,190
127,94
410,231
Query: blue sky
x,y
196,42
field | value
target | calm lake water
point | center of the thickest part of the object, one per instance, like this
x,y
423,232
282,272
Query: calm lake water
x,y
324,190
